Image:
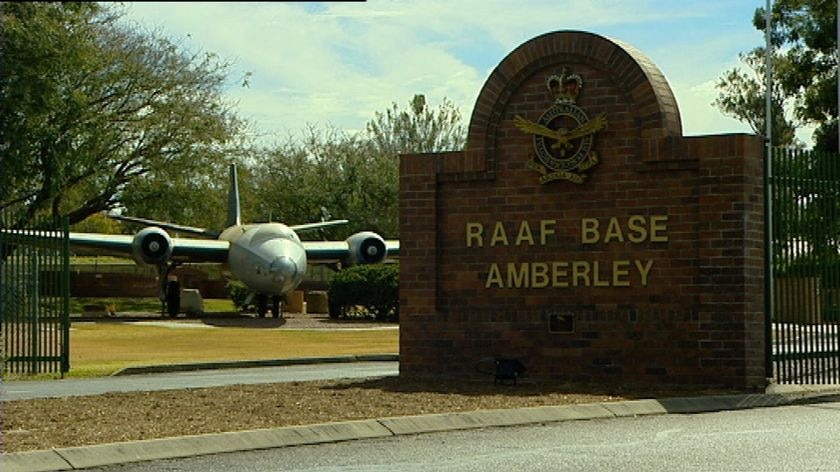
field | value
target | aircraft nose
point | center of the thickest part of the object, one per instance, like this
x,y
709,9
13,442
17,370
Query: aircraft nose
x,y
283,269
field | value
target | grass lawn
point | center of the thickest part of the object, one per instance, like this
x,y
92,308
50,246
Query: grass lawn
x,y
98,349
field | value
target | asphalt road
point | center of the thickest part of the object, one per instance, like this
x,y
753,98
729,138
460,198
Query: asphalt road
x,y
26,390
790,438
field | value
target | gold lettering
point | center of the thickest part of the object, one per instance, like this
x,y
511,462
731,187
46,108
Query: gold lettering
x,y
517,279
539,274
644,270
494,277
621,272
637,229
580,271
657,225
613,231
557,274
596,269
499,235
475,232
559,270
545,230
525,234
589,231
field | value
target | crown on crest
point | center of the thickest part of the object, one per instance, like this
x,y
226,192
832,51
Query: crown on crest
x,y
564,87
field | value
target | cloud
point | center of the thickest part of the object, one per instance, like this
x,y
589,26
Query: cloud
x,y
340,62
702,116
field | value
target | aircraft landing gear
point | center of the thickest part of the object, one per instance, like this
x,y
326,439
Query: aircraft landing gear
x,y
275,306
170,291
173,298
262,305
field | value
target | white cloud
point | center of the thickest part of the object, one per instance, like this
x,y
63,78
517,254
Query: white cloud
x,y
698,114
341,62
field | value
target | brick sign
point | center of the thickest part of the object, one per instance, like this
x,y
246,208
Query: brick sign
x,y
581,233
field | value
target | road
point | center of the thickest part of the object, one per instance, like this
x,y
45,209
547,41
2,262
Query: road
x,y
794,438
26,390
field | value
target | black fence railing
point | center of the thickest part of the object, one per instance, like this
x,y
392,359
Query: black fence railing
x,y
34,298
805,192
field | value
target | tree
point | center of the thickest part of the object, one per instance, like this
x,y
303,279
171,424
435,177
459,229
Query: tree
x,y
329,174
742,96
334,174
803,37
90,106
418,129
804,68
807,69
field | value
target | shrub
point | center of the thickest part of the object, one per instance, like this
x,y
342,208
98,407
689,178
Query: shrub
x,y
238,294
366,290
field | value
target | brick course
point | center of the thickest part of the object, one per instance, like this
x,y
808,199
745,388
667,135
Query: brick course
x,y
699,320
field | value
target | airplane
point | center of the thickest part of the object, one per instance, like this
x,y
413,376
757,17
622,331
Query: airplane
x,y
269,258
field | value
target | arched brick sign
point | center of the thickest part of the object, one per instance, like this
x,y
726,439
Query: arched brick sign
x,y
581,233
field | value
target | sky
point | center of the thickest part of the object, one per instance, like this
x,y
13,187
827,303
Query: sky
x,y
338,63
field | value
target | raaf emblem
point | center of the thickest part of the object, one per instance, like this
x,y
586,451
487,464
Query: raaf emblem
x,y
563,135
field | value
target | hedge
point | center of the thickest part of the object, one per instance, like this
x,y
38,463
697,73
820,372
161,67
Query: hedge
x,y
366,290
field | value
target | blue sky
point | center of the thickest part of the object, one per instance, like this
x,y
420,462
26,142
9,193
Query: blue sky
x,y
338,63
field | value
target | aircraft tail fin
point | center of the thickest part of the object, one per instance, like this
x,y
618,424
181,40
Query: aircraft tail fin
x,y
234,216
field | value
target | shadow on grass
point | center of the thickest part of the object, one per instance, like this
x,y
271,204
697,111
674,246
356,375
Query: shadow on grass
x,y
238,321
526,387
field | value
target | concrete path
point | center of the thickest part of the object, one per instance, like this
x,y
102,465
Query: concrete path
x,y
207,375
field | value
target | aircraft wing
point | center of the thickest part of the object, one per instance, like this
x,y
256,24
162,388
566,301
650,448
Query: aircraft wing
x,y
329,252
184,249
204,232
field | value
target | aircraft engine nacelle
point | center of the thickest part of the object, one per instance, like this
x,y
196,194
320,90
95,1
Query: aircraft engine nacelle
x,y
151,245
366,247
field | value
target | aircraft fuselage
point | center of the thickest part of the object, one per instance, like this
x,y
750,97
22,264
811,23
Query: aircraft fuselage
x,y
268,257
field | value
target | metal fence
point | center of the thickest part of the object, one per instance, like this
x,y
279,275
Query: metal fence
x,y
34,298
805,192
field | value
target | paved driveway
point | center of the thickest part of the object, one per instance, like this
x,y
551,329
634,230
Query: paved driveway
x,y
25,390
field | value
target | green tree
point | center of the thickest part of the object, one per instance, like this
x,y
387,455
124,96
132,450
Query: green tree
x,y
417,129
806,32
90,105
803,37
330,174
334,174
804,69
742,96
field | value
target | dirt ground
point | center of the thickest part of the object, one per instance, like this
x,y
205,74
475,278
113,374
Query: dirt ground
x,y
65,422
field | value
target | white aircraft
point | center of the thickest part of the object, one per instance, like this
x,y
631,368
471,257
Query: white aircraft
x,y
269,258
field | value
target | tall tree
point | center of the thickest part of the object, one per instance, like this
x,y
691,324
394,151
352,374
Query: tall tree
x,y
333,174
329,174
806,32
803,37
89,105
418,128
742,96
804,69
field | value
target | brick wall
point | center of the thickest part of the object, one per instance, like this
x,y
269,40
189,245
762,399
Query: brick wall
x,y
667,290
140,283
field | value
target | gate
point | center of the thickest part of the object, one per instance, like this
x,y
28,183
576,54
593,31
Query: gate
x,y
34,298
805,193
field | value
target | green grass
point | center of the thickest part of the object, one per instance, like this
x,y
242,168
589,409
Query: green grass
x,y
102,349
99,349
99,260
